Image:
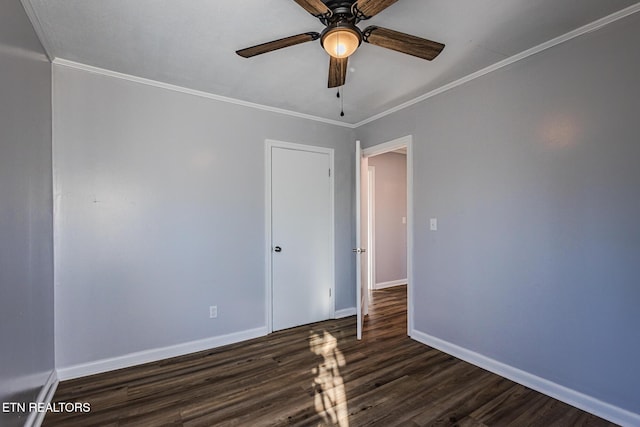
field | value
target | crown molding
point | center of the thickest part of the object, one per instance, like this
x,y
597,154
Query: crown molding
x,y
37,27
593,26
109,73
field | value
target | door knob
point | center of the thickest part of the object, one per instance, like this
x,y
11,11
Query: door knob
x,y
359,250
277,249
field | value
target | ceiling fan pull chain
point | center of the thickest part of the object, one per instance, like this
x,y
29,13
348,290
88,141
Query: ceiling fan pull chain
x,y
341,102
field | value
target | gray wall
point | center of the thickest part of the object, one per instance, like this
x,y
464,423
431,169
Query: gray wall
x,y
161,211
533,172
26,241
390,208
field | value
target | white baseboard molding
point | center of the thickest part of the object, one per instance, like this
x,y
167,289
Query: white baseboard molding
x,y
390,284
345,312
141,357
44,397
572,397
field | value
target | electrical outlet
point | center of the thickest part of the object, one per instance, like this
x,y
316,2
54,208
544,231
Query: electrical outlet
x,y
213,311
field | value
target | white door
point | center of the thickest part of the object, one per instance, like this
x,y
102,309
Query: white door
x,y
361,265
301,228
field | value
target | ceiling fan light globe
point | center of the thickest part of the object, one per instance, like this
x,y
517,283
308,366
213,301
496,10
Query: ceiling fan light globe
x,y
341,42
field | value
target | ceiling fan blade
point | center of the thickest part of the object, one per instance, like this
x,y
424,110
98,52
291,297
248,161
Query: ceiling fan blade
x,y
277,44
401,42
337,71
314,7
368,8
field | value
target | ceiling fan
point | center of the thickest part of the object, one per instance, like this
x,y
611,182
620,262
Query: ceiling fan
x,y
342,37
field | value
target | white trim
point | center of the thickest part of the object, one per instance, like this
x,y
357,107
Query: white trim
x,y
269,144
268,298
371,227
390,284
202,94
56,218
410,230
345,312
153,355
405,141
510,60
572,397
37,27
388,146
44,397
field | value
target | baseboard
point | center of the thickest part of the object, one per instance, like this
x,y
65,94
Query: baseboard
x,y
44,397
345,312
572,397
141,357
390,284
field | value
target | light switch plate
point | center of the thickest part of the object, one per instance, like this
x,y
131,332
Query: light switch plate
x,y
433,224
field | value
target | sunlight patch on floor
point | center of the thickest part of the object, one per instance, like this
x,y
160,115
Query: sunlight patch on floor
x,y
330,398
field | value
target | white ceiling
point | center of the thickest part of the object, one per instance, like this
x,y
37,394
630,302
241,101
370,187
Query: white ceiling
x,y
192,44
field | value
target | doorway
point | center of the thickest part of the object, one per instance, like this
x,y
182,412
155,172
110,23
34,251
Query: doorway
x,y
300,242
390,254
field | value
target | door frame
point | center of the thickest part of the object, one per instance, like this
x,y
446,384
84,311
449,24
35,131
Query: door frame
x,y
269,145
405,141
371,229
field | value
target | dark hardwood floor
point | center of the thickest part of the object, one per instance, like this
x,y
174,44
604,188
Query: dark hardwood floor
x,y
315,375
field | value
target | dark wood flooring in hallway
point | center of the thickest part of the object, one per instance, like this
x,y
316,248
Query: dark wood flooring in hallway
x,y
315,375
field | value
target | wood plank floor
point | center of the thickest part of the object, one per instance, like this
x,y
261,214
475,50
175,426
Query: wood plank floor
x,y
315,375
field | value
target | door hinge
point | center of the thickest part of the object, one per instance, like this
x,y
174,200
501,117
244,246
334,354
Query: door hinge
x,y
329,291
329,172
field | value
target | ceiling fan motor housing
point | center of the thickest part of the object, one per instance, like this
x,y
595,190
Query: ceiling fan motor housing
x,y
339,4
